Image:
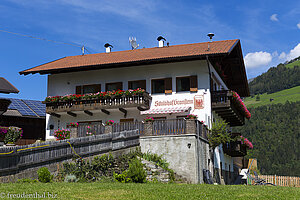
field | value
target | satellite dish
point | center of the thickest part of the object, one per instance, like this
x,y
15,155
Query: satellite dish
x,y
133,43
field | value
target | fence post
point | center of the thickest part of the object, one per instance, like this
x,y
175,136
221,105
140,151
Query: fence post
x,y
73,132
108,129
148,128
275,180
190,126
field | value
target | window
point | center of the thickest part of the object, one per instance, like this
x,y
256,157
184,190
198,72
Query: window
x,y
126,120
137,84
114,86
181,117
161,86
159,118
97,122
187,83
86,89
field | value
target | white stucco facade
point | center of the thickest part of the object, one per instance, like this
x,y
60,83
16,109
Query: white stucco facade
x,y
65,83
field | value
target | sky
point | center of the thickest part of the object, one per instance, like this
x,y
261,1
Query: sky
x,y
269,31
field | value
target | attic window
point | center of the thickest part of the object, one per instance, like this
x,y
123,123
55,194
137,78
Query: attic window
x,y
161,86
187,83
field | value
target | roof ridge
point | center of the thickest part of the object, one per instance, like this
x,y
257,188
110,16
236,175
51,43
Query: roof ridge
x,y
154,54
131,50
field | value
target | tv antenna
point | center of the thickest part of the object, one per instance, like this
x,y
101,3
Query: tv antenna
x,y
133,43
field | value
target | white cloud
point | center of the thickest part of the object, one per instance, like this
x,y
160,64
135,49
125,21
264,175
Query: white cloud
x,y
294,53
274,18
282,56
274,54
298,25
257,59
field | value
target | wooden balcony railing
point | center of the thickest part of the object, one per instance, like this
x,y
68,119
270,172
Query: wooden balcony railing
x,y
142,102
225,106
235,149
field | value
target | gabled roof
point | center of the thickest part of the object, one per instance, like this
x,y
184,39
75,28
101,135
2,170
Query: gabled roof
x,y
6,87
225,55
129,57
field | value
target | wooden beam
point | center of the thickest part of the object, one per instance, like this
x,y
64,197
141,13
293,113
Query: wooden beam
x,y
55,115
72,114
105,111
123,111
88,112
141,109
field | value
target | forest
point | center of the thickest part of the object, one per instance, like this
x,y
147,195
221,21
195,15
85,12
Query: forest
x,y
276,79
275,133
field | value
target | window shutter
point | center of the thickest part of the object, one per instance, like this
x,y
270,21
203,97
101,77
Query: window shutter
x,y
168,85
78,89
193,84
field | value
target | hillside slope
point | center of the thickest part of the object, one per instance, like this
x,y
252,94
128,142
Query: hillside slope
x,y
276,79
292,95
275,133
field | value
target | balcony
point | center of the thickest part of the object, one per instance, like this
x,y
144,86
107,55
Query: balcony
x,y
73,103
235,149
229,106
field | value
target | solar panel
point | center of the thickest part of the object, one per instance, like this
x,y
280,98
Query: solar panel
x,y
37,106
17,104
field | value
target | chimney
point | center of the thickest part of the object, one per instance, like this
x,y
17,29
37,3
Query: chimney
x,y
161,40
108,47
210,35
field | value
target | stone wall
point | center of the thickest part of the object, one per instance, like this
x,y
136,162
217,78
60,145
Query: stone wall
x,y
186,154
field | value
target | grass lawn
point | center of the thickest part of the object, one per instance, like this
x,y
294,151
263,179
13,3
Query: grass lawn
x,y
292,95
291,65
150,191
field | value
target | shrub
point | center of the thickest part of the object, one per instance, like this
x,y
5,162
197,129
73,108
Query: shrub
x,y
160,161
13,134
219,134
136,171
44,175
27,180
103,164
123,177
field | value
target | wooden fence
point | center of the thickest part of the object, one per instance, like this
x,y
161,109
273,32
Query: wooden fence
x,y
159,127
15,159
281,180
122,126
96,129
169,127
